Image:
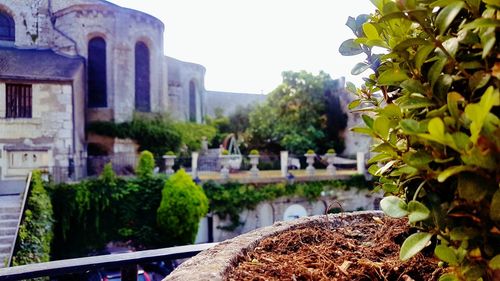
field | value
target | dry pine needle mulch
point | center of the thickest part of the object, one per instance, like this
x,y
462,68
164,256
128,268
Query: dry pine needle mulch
x,y
365,250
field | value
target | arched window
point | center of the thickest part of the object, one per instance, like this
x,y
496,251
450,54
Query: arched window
x,y
7,30
97,73
192,102
142,83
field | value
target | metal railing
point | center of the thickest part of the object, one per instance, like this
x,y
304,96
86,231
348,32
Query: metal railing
x,y
21,216
59,268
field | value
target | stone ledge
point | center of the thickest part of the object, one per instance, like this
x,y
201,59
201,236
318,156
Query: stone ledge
x,y
212,264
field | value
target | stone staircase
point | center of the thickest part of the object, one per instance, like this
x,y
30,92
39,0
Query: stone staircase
x,y
10,210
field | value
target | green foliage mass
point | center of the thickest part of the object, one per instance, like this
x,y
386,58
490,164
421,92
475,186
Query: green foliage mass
x,y
35,232
230,199
182,206
432,105
294,116
146,165
94,212
192,133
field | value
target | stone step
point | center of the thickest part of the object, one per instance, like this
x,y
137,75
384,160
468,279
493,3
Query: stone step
x,y
6,239
3,260
7,209
8,223
7,231
9,216
5,249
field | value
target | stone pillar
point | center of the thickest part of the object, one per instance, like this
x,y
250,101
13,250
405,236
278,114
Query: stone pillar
x,y
360,158
194,164
330,169
310,170
224,172
284,163
254,160
169,163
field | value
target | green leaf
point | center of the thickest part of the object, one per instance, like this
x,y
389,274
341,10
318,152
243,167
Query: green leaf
x,y
494,263
421,56
447,15
379,157
448,277
418,211
477,112
370,31
495,207
351,23
411,127
461,140
452,171
451,46
419,159
413,86
446,254
350,48
436,127
354,104
452,100
478,80
391,111
392,77
415,102
441,3
362,130
351,88
359,68
381,126
394,207
414,244
481,23
436,69
403,170
368,120
469,189
390,187
405,44
462,233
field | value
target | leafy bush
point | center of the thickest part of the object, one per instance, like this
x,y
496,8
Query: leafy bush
x,y
35,232
254,152
170,153
146,165
230,199
330,151
192,133
153,133
310,151
182,206
432,104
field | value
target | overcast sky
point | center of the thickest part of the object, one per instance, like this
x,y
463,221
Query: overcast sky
x,y
246,44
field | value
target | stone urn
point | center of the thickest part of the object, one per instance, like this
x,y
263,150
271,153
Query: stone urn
x,y
169,163
254,161
310,170
224,161
214,263
330,169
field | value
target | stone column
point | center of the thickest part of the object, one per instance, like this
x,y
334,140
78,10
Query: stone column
x,y
310,170
169,163
360,165
254,160
284,163
330,169
194,164
224,172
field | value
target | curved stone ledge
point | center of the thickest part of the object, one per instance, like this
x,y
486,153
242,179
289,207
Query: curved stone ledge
x,y
213,263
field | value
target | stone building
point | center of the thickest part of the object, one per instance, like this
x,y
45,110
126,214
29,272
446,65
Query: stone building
x,y
64,63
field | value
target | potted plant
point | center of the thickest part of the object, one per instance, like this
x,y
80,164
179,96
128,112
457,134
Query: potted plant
x,y
224,159
432,105
169,159
254,161
310,170
330,158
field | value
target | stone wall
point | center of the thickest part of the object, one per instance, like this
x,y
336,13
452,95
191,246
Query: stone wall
x,y
180,74
286,208
50,131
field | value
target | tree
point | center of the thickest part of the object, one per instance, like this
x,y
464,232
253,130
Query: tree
x,y
294,116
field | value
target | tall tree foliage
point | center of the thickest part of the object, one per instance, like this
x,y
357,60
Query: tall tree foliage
x,y
294,117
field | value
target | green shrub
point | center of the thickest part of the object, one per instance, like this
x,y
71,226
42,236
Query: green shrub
x,y
170,153
146,165
182,206
310,151
192,134
432,104
35,232
254,152
224,152
331,151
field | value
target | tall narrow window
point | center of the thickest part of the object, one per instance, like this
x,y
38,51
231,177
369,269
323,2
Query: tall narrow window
x,y
192,102
7,30
142,83
18,101
97,96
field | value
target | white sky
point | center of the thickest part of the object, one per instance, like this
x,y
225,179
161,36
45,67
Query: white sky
x,y
246,44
